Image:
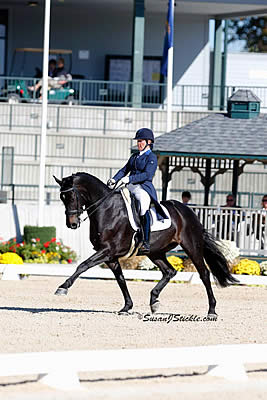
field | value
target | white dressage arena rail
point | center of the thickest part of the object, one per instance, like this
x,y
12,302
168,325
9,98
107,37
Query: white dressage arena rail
x,y
59,369
13,272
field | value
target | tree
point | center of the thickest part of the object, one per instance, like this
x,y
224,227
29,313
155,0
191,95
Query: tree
x,y
253,30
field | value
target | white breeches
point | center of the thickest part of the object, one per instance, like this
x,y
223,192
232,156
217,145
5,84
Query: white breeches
x,y
142,196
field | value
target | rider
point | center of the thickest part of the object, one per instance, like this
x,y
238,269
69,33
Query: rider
x,y
142,167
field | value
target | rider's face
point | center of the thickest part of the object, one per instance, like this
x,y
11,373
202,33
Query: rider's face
x,y
141,144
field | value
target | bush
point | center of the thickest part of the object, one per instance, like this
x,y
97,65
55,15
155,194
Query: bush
x,y
44,233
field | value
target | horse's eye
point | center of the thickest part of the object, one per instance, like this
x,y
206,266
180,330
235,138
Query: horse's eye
x,y
62,196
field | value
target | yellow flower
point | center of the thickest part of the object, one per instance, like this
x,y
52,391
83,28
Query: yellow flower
x,y
176,262
247,267
10,258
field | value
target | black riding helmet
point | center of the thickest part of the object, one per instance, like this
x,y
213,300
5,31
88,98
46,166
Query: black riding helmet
x,y
144,134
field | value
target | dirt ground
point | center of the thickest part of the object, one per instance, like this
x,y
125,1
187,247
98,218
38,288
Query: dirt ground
x,y
33,319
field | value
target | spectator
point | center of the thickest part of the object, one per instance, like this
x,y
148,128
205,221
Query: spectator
x,y
60,69
57,76
186,197
52,67
229,219
230,201
261,222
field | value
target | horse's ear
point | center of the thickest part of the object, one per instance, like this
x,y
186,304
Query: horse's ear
x,y
57,180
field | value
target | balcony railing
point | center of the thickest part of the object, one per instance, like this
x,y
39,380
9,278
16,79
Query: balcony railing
x,y
119,93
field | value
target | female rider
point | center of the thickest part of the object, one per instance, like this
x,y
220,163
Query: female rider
x,y
141,168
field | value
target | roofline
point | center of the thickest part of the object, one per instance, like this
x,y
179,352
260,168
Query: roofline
x,y
208,155
239,14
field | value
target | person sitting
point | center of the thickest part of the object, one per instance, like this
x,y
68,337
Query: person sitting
x,y
57,76
141,168
52,65
60,71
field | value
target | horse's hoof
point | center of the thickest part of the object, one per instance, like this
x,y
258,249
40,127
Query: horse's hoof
x,y
61,292
212,317
155,306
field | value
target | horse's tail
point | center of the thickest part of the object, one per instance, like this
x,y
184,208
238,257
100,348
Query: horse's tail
x,y
216,261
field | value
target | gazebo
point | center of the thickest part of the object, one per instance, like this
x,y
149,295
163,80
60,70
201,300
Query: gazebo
x,y
215,144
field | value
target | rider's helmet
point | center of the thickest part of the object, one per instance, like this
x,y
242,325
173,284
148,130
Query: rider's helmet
x,y
145,134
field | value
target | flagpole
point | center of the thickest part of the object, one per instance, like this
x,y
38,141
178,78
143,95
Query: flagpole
x,y
44,113
170,68
169,89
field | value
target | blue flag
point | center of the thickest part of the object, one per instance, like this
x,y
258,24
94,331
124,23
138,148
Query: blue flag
x,y
168,40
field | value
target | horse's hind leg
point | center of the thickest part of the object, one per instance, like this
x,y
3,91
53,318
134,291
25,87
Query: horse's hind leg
x,y
195,253
116,269
168,273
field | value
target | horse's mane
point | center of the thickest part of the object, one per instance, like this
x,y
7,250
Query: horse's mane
x,y
88,177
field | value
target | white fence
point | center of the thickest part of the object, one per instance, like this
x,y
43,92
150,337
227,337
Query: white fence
x,y
13,272
246,227
59,369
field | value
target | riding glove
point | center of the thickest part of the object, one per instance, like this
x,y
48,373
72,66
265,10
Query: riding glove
x,y
111,183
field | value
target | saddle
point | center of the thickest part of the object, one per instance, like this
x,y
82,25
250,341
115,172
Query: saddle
x,y
133,209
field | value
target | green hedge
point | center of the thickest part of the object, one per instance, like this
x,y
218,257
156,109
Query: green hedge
x,y
44,233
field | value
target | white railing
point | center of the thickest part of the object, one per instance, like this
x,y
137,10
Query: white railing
x,y
14,271
247,227
59,369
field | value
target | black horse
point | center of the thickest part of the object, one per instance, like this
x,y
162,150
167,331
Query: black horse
x,y
111,235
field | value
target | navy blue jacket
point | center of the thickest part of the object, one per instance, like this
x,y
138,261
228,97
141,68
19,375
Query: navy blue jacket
x,y
142,169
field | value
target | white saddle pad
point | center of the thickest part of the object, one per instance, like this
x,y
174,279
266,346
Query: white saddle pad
x,y
156,225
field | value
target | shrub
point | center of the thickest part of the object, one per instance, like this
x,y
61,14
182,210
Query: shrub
x,y
44,233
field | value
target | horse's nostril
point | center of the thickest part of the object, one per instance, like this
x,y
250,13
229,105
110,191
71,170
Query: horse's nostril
x,y
73,225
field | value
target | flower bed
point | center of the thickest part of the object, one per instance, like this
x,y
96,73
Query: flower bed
x,y
227,247
50,252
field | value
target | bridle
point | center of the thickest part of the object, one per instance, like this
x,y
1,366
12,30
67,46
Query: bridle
x,y
82,209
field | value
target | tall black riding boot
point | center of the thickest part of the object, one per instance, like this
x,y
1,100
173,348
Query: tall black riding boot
x,y
145,223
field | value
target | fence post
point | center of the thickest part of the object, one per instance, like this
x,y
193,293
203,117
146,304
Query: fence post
x,y
152,119
80,92
13,193
105,121
35,146
126,95
10,116
57,126
83,152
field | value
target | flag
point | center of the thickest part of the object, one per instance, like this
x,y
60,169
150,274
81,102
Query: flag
x,y
168,40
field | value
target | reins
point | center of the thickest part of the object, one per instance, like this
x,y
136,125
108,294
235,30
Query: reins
x,y
96,204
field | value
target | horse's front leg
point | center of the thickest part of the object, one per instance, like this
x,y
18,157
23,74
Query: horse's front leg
x,y
117,271
97,258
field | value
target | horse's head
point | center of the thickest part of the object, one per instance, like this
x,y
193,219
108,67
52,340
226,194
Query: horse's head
x,y
72,199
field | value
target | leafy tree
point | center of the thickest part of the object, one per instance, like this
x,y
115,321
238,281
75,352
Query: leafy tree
x,y
253,30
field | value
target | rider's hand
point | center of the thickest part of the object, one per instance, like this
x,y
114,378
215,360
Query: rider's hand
x,y
125,180
111,183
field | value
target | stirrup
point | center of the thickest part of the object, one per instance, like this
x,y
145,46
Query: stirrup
x,y
144,248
